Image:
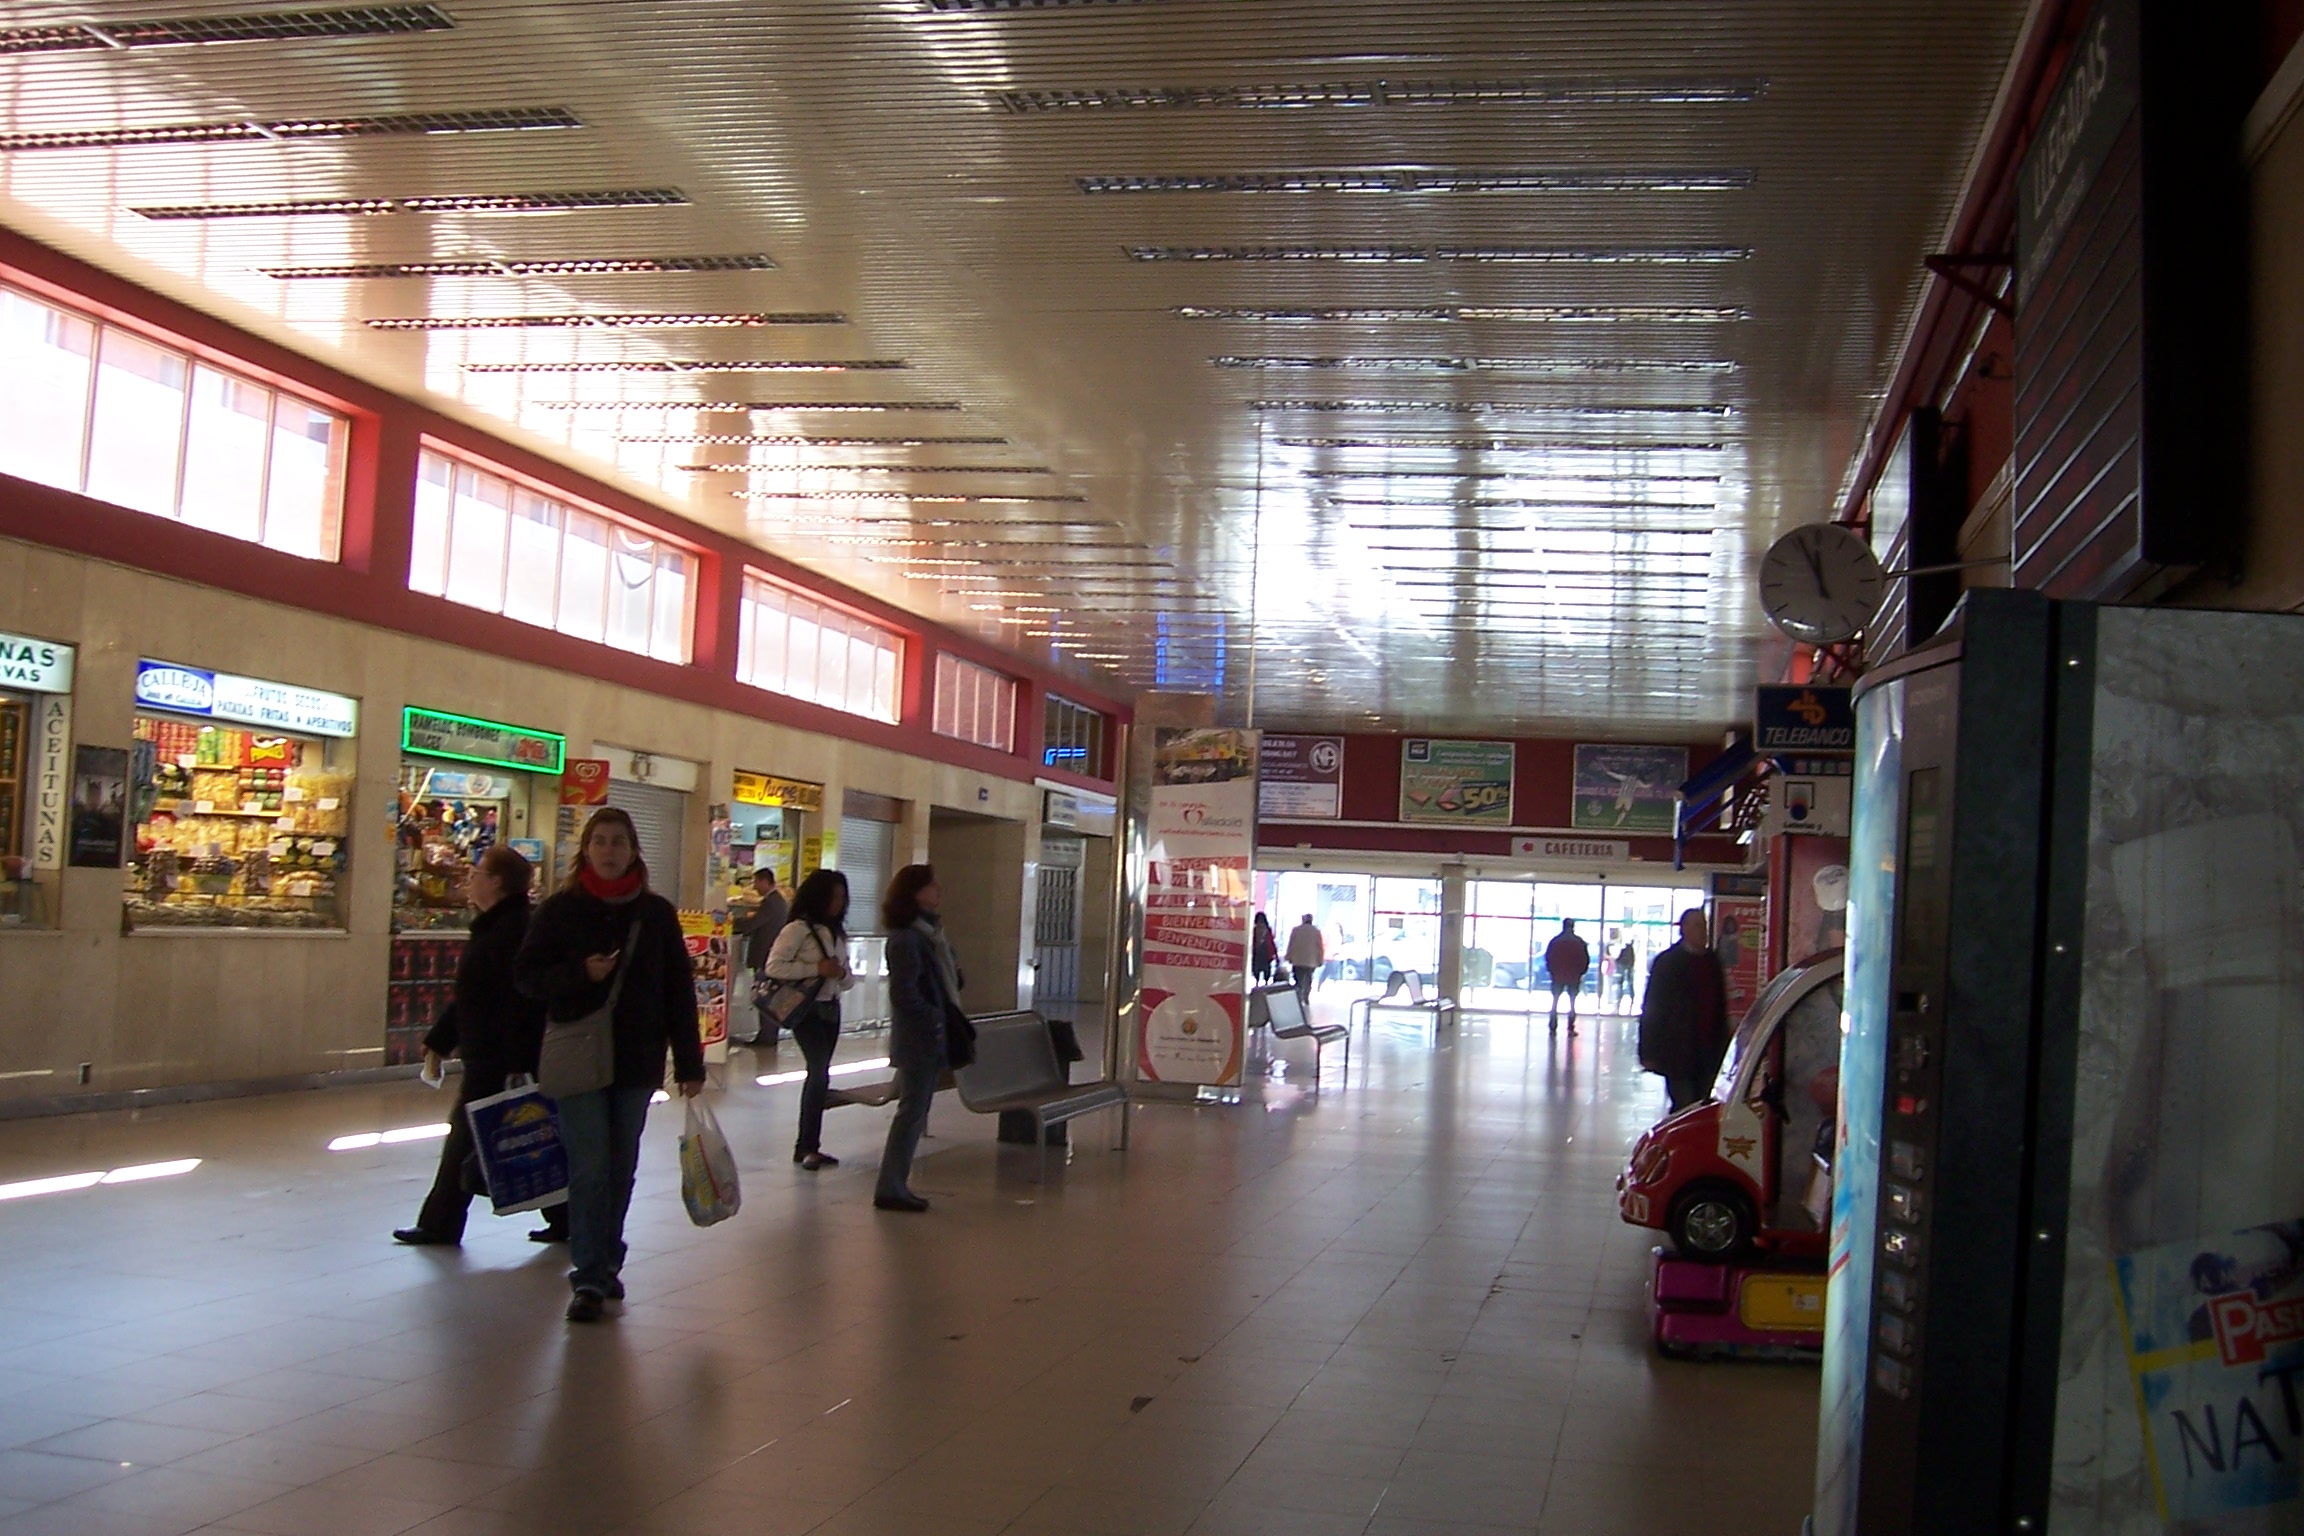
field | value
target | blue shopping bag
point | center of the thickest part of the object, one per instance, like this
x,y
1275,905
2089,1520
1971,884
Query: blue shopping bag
x,y
517,1136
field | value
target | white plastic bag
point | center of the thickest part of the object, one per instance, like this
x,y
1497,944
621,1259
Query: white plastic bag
x,y
707,1168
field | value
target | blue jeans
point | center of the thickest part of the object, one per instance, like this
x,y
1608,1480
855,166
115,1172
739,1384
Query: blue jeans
x,y
602,1134
916,1089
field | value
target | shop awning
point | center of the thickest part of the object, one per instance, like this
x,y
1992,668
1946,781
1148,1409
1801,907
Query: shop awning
x,y
1704,797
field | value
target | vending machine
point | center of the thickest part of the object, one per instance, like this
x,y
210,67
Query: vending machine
x,y
2067,1261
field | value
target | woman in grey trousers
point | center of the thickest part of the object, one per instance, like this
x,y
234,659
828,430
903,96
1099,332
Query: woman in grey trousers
x,y
927,1031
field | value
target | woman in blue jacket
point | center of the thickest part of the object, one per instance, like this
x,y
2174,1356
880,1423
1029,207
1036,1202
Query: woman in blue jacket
x,y
927,1031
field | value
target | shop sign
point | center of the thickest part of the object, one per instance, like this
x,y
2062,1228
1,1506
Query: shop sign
x,y
1627,789
481,741
779,794
584,781
1457,783
1059,809
51,790
244,700
35,666
1582,849
1803,718
1810,796
1301,778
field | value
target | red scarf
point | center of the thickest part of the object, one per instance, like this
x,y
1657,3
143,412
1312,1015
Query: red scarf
x,y
612,890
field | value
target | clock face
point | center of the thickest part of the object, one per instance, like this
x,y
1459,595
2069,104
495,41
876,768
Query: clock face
x,y
1820,584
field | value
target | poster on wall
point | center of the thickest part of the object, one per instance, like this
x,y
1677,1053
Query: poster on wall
x,y
706,934
1300,778
1816,889
1456,783
1740,938
1201,841
99,806
1627,789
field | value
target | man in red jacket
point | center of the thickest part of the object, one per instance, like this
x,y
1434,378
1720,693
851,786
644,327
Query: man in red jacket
x,y
1566,960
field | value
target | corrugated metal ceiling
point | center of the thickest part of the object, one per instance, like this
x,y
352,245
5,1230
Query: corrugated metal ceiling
x,y
1456,359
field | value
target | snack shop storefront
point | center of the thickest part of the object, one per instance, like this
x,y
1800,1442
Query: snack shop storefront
x,y
465,786
239,793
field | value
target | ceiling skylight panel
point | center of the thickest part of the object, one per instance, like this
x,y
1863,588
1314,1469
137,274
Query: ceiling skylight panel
x,y
508,266
1506,255
670,320
495,120
459,203
185,31
1415,179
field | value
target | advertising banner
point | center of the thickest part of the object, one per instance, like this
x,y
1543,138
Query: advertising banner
x,y
99,806
1201,841
1300,778
707,937
244,700
584,781
440,734
1456,783
1627,789
1740,938
776,793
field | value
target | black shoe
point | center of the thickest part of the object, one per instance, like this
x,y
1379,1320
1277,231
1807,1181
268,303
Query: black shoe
x,y
815,1160
417,1237
615,1290
899,1203
548,1235
586,1307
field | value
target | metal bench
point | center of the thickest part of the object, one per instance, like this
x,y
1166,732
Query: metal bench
x,y
1016,1070
1282,1011
1442,1009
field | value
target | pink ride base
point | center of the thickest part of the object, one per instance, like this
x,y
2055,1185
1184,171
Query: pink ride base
x,y
1692,1310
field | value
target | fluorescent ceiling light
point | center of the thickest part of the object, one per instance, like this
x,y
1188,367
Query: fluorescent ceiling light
x,y
1561,314
1509,255
362,1140
931,498
804,468
844,1069
264,27
506,266
1389,93
629,320
740,407
1478,407
1532,365
64,1183
242,131
740,440
697,365
138,1173
459,202
1423,179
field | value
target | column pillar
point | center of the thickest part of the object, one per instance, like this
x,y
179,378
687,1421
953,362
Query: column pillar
x,y
1451,979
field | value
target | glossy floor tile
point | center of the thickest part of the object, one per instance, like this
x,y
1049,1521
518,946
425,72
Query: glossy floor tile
x,y
1395,1305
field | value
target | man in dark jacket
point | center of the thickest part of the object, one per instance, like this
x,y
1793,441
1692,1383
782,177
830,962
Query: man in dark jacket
x,y
1566,959
758,929
1684,1018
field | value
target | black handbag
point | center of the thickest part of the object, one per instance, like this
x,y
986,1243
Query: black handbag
x,y
579,1056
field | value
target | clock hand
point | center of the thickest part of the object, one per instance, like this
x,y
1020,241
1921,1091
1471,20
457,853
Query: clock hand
x,y
1816,565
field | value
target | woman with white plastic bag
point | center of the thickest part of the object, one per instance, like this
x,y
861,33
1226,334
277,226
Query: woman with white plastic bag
x,y
807,970
708,1185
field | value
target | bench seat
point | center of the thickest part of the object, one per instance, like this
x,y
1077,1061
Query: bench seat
x,y
1279,1009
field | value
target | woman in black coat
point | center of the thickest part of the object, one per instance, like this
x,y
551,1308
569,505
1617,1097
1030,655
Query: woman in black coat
x,y
926,1029
606,920
494,1028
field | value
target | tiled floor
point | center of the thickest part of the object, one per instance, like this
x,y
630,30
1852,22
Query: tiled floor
x,y
1402,1305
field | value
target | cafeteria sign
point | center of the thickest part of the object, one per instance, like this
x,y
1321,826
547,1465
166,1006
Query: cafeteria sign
x,y
1456,783
786,794
481,741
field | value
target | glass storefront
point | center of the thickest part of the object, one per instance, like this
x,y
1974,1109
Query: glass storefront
x,y
777,824
35,741
240,794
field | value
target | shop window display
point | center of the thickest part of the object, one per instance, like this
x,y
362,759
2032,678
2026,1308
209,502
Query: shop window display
x,y
448,818
237,827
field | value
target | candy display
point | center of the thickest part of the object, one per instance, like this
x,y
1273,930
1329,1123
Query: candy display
x,y
235,828
447,820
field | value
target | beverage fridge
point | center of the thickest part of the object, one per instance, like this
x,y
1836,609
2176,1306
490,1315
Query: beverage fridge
x,y
2067,1290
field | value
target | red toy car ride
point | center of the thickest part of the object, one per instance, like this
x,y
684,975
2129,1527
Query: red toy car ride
x,y
1746,1169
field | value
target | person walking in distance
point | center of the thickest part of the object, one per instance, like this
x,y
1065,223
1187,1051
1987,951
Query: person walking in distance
x,y
1684,1017
1263,951
495,1029
606,932
1627,966
926,1029
759,929
812,954
1307,952
1566,959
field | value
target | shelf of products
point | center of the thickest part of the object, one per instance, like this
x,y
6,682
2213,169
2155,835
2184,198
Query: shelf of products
x,y
447,819
237,828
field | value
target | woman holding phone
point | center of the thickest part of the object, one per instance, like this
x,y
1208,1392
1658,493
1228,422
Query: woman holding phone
x,y
808,970
606,932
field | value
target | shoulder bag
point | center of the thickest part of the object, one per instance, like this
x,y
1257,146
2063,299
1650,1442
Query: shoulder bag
x,y
579,1056
780,1001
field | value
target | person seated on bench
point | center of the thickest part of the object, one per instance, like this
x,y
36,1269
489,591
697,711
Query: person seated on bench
x,y
926,1029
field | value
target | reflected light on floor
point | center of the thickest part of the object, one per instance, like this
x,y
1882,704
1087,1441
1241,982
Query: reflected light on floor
x,y
366,1139
845,1069
134,1174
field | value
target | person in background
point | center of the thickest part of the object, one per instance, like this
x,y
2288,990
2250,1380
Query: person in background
x,y
812,952
606,919
1627,967
926,1028
1566,960
759,929
1684,1018
495,1029
1307,952
1263,951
